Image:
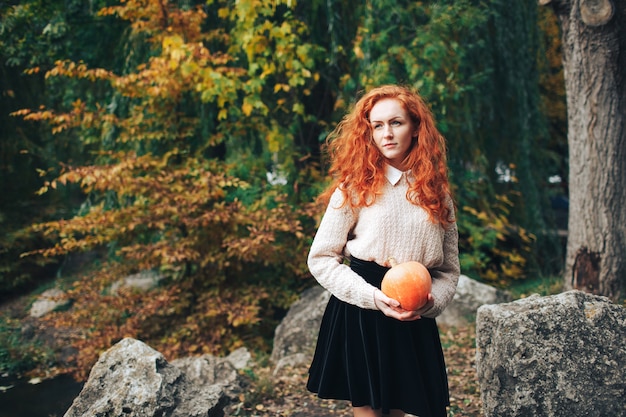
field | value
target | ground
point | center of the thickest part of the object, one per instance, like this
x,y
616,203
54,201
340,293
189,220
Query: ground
x,y
285,395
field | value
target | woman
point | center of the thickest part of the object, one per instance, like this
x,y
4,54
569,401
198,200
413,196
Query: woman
x,y
390,197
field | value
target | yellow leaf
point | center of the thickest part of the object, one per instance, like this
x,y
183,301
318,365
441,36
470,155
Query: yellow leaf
x,y
358,52
283,87
247,109
172,41
223,13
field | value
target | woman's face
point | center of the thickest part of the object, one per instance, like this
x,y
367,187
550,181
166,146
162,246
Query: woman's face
x,y
393,130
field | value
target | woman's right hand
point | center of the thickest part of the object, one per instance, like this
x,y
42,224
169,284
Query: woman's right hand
x,y
391,308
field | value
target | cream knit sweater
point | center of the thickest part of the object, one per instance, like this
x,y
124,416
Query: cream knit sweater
x,y
392,226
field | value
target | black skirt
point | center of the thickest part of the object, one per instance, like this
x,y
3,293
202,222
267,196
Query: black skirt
x,y
373,360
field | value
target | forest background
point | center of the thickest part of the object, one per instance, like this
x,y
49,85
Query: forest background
x,y
186,137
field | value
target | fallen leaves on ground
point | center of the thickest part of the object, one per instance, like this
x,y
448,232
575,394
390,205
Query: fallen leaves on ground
x,y
459,348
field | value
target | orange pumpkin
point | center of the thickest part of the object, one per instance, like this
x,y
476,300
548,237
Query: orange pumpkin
x,y
408,282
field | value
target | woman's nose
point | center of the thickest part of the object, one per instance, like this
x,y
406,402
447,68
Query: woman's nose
x,y
387,131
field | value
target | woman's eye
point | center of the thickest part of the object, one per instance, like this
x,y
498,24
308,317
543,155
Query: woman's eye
x,y
395,123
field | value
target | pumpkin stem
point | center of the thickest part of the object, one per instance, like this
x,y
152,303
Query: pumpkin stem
x,y
392,261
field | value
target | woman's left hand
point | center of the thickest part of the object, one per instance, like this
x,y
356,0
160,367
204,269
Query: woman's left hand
x,y
430,301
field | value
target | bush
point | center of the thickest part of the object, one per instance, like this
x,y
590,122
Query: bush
x,y
493,249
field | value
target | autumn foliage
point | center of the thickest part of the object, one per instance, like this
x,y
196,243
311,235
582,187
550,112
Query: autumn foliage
x,y
161,193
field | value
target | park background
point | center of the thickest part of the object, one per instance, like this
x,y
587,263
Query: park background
x,y
186,138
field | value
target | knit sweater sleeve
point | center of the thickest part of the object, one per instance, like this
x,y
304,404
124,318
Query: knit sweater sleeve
x,y
326,256
445,276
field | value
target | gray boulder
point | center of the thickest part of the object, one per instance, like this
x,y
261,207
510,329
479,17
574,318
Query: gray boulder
x,y
562,355
133,380
296,335
48,301
212,370
470,295
143,281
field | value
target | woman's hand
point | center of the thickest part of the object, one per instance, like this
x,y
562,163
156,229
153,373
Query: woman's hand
x,y
391,308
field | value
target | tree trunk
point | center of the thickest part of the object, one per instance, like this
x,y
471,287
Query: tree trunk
x,y
594,60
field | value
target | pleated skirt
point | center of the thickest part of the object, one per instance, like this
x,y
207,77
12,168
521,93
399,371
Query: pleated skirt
x,y
373,360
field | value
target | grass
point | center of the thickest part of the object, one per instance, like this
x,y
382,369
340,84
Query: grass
x,y
541,285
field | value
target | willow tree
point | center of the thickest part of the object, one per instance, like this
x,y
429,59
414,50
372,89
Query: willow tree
x,y
34,33
476,65
594,58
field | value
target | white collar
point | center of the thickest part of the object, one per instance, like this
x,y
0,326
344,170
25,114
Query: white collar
x,y
393,174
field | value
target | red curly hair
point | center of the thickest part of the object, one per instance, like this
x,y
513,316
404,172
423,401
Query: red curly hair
x,y
357,166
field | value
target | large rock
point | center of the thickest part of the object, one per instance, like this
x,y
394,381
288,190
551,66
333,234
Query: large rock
x,y
563,355
133,380
296,335
470,295
210,370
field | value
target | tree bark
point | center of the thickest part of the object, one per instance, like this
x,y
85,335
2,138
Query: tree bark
x,y
594,60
